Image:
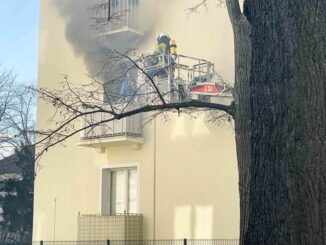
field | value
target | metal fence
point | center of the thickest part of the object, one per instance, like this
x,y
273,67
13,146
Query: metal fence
x,y
142,242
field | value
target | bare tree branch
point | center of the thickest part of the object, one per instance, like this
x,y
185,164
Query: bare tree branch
x,y
7,79
17,106
98,102
61,137
195,8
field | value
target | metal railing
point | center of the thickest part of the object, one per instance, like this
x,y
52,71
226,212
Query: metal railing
x,y
136,242
121,14
176,75
188,69
128,126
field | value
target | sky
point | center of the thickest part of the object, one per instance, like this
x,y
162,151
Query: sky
x,y
19,38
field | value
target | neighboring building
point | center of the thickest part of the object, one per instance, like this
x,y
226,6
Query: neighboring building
x,y
9,168
178,178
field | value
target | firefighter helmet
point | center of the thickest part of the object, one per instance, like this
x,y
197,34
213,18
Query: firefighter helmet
x,y
163,38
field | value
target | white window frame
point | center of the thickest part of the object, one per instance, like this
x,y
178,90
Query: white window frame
x,y
105,199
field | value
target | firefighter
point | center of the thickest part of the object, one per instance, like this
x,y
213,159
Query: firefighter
x,y
163,44
162,51
173,47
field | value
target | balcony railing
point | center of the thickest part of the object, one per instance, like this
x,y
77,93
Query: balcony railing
x,y
123,227
119,15
123,14
128,126
127,130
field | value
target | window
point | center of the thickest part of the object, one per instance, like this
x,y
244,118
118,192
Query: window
x,y
122,85
122,188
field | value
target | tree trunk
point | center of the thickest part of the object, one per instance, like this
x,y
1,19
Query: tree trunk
x,y
287,201
242,51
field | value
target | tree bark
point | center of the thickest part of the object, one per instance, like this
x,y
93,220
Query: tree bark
x,y
287,201
242,51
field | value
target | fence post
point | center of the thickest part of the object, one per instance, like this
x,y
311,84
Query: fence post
x,y
107,242
185,241
41,242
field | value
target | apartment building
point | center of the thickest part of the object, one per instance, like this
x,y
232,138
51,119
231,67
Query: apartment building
x,y
165,179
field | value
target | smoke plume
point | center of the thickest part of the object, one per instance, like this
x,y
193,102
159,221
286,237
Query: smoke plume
x,y
86,27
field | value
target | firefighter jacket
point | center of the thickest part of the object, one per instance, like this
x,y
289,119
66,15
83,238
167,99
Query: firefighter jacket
x,y
162,48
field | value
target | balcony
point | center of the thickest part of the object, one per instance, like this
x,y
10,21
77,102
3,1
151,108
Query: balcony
x,y
124,20
122,227
126,131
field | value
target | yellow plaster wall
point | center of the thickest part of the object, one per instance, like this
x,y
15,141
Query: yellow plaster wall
x,y
188,165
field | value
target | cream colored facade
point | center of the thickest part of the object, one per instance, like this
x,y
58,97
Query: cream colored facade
x,y
187,172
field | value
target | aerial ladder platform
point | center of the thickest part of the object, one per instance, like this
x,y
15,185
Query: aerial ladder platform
x,y
181,78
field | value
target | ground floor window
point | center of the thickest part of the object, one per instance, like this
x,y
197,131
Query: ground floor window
x,y
120,191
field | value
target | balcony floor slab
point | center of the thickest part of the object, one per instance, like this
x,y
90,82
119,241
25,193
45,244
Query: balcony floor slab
x,y
111,141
